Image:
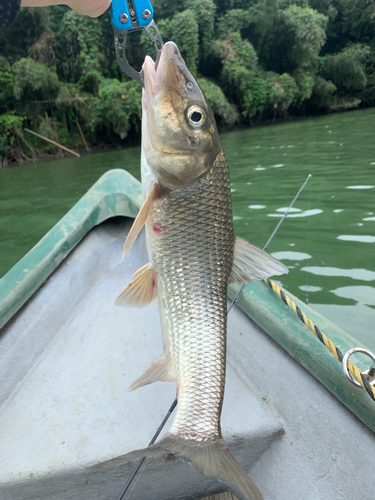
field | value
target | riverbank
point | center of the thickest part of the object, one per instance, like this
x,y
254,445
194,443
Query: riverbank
x,y
135,140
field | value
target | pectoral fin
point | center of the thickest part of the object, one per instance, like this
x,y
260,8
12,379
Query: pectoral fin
x,y
251,264
158,371
140,221
141,291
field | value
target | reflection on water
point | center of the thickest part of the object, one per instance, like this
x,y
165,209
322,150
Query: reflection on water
x,y
361,294
292,209
305,213
310,288
356,274
295,256
364,238
268,165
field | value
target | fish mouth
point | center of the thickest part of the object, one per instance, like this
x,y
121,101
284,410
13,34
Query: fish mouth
x,y
154,72
162,82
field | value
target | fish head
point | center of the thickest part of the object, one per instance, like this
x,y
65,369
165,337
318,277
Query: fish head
x,y
179,133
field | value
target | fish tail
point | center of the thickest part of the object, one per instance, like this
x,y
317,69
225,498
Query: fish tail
x,y
212,458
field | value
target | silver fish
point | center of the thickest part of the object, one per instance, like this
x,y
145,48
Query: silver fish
x,y
193,255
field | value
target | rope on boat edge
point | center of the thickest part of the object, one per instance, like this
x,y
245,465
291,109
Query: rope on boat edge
x,y
323,339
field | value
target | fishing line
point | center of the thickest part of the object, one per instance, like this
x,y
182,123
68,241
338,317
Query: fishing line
x,y
141,460
174,404
272,235
308,245
142,466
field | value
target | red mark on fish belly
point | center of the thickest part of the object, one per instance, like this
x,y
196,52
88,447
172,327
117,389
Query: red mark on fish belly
x,y
158,227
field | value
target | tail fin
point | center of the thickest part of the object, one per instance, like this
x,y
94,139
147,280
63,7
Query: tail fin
x,y
212,458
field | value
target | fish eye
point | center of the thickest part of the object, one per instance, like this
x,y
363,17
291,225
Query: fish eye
x,y
196,116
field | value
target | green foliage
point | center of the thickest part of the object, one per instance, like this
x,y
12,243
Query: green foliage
x,y
238,57
347,69
234,20
204,13
10,126
80,39
226,113
16,40
306,28
33,80
185,33
323,93
284,91
256,96
255,60
6,83
117,106
305,82
48,127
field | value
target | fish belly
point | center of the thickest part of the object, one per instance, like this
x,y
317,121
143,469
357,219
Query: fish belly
x,y
191,242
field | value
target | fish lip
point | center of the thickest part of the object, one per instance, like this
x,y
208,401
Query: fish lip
x,y
154,71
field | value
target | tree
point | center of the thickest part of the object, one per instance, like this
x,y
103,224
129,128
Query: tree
x,y
347,68
305,28
33,80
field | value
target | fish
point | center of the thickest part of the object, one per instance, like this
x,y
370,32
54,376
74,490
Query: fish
x,y
194,254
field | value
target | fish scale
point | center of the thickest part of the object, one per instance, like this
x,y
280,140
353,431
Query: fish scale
x,y
192,294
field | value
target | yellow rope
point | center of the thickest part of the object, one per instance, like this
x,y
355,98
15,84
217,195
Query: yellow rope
x,y
354,371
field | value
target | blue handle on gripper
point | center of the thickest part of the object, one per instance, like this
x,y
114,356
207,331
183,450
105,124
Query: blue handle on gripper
x,y
120,7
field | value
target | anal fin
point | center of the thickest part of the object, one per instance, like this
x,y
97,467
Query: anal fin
x,y
158,371
250,264
141,290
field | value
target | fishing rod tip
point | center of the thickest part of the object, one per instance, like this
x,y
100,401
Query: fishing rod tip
x,y
309,176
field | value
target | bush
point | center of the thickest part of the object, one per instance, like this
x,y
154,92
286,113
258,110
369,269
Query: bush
x,y
34,80
226,114
347,68
117,106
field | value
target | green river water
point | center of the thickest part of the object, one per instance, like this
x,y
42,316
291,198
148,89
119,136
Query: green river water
x,y
327,240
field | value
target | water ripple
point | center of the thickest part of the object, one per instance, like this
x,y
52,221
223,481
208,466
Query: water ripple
x,y
310,288
305,213
357,237
289,255
362,294
356,274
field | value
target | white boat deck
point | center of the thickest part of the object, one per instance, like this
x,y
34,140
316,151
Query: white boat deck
x,y
69,354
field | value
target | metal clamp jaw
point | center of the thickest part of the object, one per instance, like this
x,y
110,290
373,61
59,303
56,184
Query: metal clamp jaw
x,y
132,15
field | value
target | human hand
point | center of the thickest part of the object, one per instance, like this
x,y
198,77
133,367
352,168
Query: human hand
x,y
92,8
